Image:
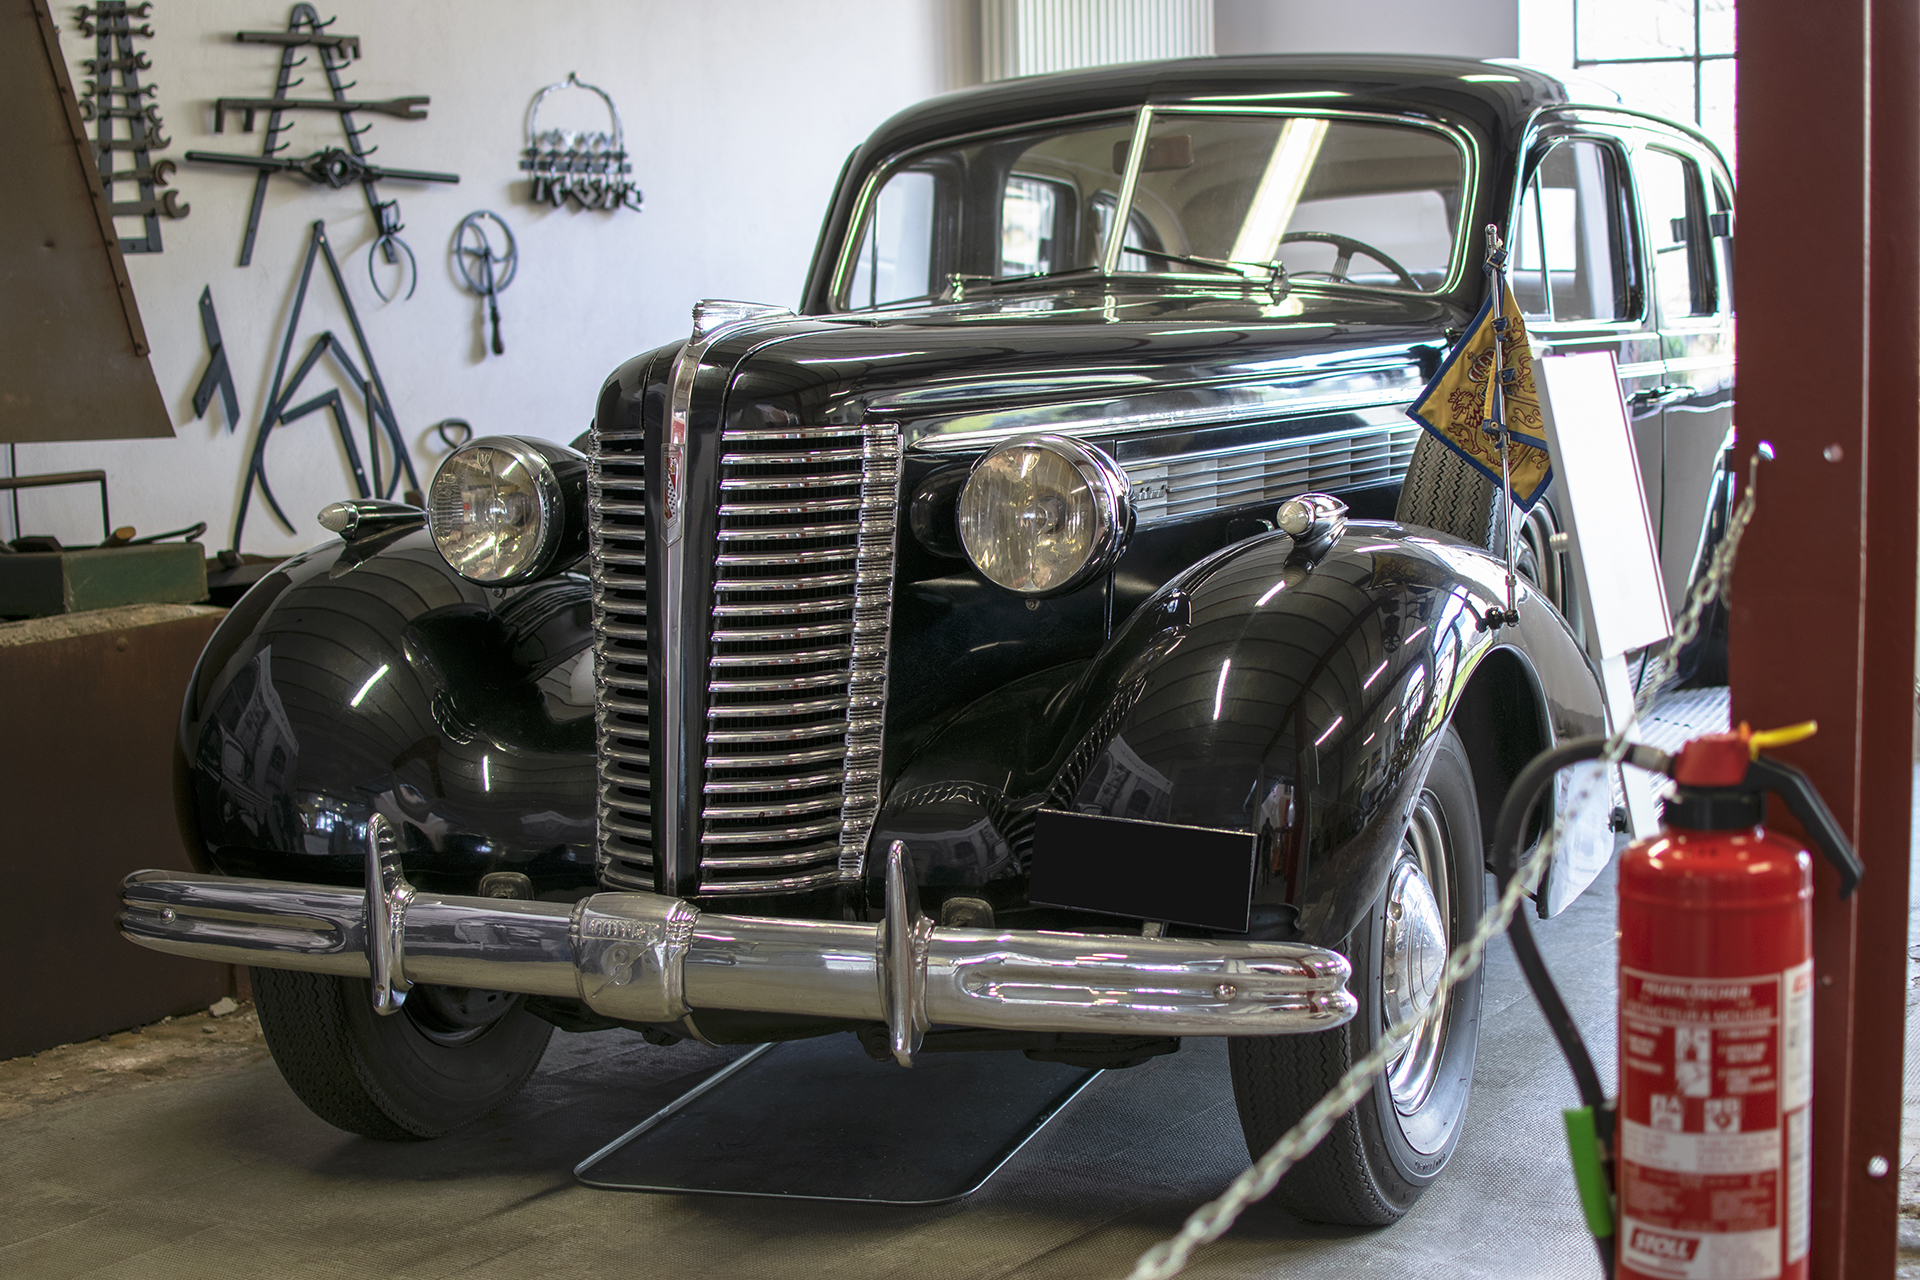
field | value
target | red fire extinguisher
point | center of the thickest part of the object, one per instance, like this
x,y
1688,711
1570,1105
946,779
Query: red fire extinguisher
x,y
1708,1145
1716,1019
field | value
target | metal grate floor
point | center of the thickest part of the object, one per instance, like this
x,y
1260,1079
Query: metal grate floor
x,y
1679,717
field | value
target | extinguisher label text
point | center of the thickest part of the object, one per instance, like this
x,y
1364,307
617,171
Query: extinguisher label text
x,y
1710,1065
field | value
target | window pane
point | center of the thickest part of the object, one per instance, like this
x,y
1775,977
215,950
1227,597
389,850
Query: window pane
x,y
1670,199
1716,103
1663,87
1006,205
1026,226
1716,26
1527,272
1634,28
896,256
1331,200
1723,249
1581,237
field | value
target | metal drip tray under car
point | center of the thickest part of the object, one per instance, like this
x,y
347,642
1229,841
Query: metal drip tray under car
x,y
820,1120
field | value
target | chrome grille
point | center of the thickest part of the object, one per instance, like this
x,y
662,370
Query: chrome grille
x,y
802,602
1187,484
617,509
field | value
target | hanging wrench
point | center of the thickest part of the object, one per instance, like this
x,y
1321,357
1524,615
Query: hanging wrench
x,y
125,91
149,112
160,174
124,29
98,66
165,203
152,142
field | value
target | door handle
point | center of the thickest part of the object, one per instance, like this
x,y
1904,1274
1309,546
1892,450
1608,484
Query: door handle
x,y
1661,395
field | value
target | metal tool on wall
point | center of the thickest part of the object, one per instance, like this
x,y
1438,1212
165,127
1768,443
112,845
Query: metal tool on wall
x,y
332,166
219,374
485,270
115,94
280,410
588,168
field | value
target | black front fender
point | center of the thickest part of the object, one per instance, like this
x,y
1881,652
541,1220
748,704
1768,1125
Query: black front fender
x,y
368,677
1263,691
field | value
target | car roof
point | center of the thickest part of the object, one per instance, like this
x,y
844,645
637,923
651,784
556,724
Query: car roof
x,y
1499,96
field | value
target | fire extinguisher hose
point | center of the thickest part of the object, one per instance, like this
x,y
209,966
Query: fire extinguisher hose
x,y
1523,798
1510,829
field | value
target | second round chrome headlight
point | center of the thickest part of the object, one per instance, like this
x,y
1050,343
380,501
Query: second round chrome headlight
x,y
497,510
1040,515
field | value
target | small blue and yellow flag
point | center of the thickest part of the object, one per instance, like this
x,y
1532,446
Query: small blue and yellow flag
x,y
1458,403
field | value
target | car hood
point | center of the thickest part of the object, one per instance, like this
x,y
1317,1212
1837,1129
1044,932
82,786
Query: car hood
x,y
960,376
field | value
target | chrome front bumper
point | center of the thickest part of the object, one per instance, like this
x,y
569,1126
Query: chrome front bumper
x,y
643,957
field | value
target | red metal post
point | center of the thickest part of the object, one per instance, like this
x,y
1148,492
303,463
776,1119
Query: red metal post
x,y
1823,618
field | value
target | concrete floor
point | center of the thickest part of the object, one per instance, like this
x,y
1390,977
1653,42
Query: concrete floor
x,y
227,1175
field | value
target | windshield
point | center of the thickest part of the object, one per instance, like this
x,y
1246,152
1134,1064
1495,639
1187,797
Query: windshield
x,y
1325,200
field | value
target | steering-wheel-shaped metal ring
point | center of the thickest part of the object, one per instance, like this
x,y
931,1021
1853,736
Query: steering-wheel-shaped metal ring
x,y
1345,247
484,269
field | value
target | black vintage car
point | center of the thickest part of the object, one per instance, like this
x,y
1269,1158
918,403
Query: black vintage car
x,y
1053,637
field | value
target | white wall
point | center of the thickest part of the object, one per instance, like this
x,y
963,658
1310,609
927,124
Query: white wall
x,y
1454,28
738,113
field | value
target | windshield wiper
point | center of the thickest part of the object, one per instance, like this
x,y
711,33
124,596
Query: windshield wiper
x,y
957,281
1273,274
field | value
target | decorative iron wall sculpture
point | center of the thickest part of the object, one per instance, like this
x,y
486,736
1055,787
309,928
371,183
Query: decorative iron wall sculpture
x,y
588,168
332,166
116,94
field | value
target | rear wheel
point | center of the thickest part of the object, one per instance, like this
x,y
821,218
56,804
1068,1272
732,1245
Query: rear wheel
x,y
451,1054
1381,1155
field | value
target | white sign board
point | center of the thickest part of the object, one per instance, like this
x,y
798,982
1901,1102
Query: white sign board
x,y
1616,565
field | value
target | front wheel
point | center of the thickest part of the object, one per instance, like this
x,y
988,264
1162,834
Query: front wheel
x,y
1381,1155
448,1057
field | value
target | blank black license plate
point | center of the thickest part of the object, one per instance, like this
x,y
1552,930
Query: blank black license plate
x,y
1147,870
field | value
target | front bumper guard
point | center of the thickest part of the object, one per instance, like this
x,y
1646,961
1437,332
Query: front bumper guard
x,y
647,958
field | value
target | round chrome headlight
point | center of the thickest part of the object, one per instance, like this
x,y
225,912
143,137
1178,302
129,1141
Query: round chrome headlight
x,y
497,510
1041,514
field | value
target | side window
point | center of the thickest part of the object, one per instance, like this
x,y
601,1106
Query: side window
x,y
1569,243
1030,215
895,262
1722,228
1672,199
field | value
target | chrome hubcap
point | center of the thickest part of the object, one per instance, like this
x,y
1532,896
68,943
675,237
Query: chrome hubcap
x,y
1414,948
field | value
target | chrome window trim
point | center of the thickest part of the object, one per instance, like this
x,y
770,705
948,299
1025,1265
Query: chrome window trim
x,y
1123,203
1143,116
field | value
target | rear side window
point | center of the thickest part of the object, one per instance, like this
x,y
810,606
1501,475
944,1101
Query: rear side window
x,y
1570,257
1674,202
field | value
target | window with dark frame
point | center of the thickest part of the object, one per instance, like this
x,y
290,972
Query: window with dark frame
x,y
1676,54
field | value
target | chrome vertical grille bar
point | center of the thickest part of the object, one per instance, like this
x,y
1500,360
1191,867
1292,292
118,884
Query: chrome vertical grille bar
x,y
617,512
872,623
784,579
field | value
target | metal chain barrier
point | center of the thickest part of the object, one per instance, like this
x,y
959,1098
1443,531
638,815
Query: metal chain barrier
x,y
1213,1219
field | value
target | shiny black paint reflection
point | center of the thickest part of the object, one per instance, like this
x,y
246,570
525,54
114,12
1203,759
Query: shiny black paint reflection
x,y
1256,692
348,684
